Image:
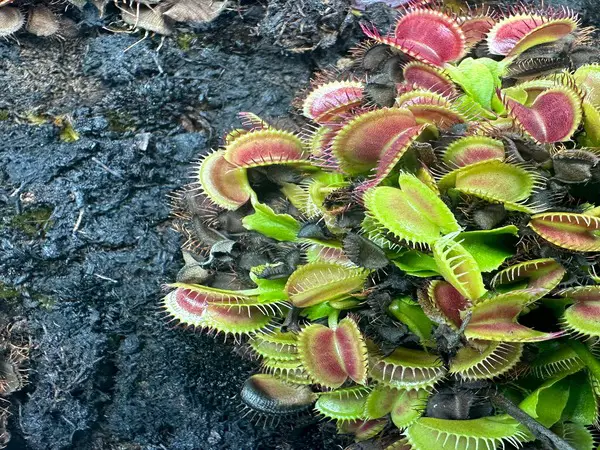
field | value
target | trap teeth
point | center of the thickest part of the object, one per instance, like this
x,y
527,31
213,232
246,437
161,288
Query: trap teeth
x,y
269,395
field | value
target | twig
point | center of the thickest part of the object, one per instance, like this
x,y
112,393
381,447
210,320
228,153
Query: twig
x,y
78,222
102,277
291,321
108,169
549,439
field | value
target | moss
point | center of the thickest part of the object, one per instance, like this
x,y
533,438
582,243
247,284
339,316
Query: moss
x,y
45,301
8,293
120,122
4,114
34,222
37,119
11,295
67,132
185,41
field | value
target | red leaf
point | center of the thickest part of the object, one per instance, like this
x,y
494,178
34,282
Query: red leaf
x,y
329,100
428,77
447,301
553,116
331,356
427,35
583,316
515,34
572,231
476,28
495,319
360,143
265,147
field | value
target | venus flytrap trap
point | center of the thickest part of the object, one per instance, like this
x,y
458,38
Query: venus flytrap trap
x,y
459,212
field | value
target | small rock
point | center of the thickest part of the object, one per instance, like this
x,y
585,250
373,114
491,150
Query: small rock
x,y
131,344
142,141
214,437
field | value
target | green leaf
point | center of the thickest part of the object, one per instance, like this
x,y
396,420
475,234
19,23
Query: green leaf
x,y
516,93
381,401
268,290
495,319
282,227
478,78
343,404
576,435
413,213
408,407
445,434
490,248
320,282
591,124
467,106
582,406
408,369
496,182
417,264
547,403
495,69
458,267
410,313
318,311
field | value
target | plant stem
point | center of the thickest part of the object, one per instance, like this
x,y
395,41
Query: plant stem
x,y
332,320
291,320
548,438
586,356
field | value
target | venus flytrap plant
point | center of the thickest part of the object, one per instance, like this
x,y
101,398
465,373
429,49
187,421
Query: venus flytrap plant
x,y
496,181
266,394
413,213
495,319
553,116
344,405
329,101
554,357
571,231
362,430
437,245
426,35
408,369
481,360
322,282
522,29
473,149
360,144
333,354
458,267
581,316
428,77
408,406
226,185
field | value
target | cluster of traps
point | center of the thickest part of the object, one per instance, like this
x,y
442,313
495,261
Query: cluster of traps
x,y
48,19
423,254
37,19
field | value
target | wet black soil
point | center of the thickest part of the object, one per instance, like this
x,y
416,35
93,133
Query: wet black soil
x,y
85,237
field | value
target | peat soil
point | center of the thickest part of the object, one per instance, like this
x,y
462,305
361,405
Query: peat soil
x,y
85,237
